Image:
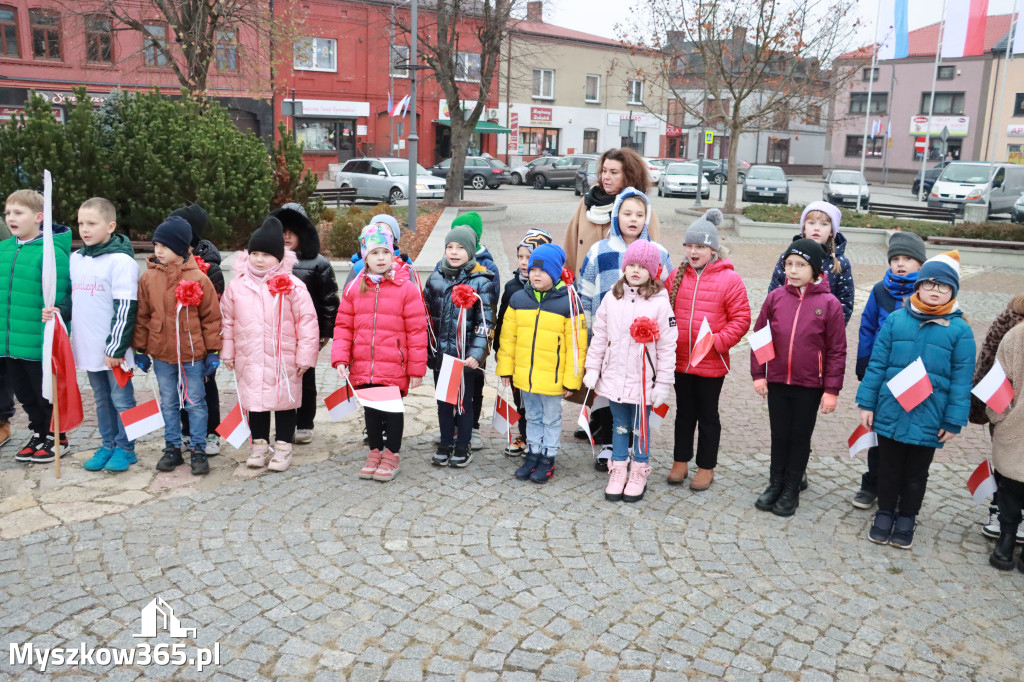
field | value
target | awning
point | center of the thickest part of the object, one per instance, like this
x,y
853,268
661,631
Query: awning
x,y
481,126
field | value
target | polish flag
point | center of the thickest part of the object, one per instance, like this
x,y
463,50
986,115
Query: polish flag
x,y
862,439
142,419
449,380
341,403
123,374
383,398
911,386
761,344
705,342
982,483
584,423
995,390
235,428
658,414
505,417
963,34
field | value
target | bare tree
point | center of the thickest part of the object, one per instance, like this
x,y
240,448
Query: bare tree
x,y
741,63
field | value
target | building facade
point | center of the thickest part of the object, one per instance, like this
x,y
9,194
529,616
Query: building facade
x,y
1004,136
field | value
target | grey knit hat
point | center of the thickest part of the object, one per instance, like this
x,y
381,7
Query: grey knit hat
x,y
704,230
907,244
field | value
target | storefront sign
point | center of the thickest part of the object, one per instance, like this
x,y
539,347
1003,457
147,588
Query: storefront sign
x,y
673,131
957,125
69,99
513,138
1015,130
327,107
9,112
642,120
541,114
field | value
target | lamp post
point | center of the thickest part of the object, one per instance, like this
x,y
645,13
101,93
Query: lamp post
x,y
412,67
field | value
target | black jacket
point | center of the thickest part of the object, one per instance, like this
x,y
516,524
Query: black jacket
x,y
211,256
444,314
511,287
315,271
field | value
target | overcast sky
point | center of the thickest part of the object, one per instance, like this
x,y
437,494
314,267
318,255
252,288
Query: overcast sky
x,y
600,16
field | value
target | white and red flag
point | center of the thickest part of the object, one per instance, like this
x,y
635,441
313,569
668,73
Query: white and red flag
x,y
383,398
505,417
911,386
862,438
761,344
449,380
583,421
341,403
982,484
705,342
142,419
963,33
235,427
994,389
658,414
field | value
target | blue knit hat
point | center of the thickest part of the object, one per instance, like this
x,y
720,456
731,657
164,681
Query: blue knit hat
x,y
943,268
550,258
175,233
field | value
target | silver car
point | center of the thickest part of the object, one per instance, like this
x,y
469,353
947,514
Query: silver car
x,y
387,179
681,179
844,186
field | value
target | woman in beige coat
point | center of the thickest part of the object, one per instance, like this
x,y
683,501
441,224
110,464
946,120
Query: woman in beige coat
x,y
1007,454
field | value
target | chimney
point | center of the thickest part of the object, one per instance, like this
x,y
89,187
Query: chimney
x,y
535,11
739,34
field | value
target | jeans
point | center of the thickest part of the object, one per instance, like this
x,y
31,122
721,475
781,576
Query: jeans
x,y
111,401
697,409
792,413
195,403
902,475
543,422
307,409
6,397
626,421
448,417
212,408
284,421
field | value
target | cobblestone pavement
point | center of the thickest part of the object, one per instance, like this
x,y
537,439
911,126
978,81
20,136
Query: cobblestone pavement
x,y
470,574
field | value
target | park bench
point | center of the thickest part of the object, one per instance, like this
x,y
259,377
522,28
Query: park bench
x,y
336,194
982,243
139,247
899,211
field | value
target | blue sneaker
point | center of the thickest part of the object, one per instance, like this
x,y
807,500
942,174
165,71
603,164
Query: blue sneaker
x,y
529,464
545,469
98,460
903,532
121,460
881,529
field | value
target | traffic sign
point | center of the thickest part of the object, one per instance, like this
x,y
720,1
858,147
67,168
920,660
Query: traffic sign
x,y
919,145
709,137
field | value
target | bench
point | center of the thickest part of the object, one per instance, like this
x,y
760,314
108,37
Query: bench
x,y
137,246
947,215
982,243
336,194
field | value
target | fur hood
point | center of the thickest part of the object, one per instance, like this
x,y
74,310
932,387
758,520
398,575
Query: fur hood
x,y
294,219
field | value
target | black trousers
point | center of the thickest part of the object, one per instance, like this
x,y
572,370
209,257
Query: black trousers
x,y
212,408
284,422
478,404
517,398
448,417
869,481
601,426
25,377
383,429
307,410
792,413
1011,500
697,410
902,475
6,397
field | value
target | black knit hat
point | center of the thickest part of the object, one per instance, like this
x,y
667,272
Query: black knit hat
x,y
197,217
811,251
269,238
175,233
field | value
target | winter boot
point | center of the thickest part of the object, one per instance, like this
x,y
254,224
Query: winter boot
x,y
771,494
636,485
171,459
903,532
388,467
702,481
881,530
120,461
98,459
261,454
461,457
443,455
1002,554
282,458
530,463
372,462
617,474
678,473
789,500
544,471
200,464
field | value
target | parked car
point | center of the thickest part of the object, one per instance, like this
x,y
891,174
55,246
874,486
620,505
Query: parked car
x,y
844,187
479,172
586,176
562,173
717,170
930,176
387,179
996,185
681,179
766,183
654,170
518,174
1017,212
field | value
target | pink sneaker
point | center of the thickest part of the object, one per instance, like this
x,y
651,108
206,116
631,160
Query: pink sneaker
x,y
388,468
282,458
637,483
616,481
372,462
260,455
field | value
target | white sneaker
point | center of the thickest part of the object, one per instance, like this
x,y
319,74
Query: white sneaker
x,y
303,436
212,445
476,442
991,529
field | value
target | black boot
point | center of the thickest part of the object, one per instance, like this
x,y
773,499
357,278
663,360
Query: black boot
x,y
771,494
200,465
789,500
1002,553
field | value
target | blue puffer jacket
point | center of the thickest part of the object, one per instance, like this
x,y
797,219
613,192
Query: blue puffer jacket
x,y
946,344
444,314
885,297
841,283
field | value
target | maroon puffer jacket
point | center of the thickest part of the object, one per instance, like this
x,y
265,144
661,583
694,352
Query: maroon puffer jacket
x,y
382,335
809,336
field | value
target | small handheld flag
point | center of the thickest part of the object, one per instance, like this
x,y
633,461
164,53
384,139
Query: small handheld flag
x,y
584,423
123,375
383,398
142,419
341,403
994,389
705,342
911,386
862,439
235,427
658,414
449,380
761,344
505,417
982,484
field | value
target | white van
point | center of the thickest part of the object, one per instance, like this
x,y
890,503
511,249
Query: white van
x,y
976,182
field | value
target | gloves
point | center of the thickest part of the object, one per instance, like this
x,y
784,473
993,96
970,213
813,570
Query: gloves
x,y
143,362
659,394
590,378
210,364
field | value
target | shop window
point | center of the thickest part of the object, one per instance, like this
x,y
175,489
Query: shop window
x,y
939,150
778,151
399,61
537,141
1018,104
543,84
854,144
636,143
8,31
593,88
590,141
154,51
45,34
98,39
635,89
316,54
946,73
227,50
467,67
317,136
859,102
946,104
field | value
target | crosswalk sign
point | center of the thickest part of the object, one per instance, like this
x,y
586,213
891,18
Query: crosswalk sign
x,y
709,137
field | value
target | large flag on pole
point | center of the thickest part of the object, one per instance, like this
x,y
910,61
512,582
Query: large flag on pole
x,y
58,360
892,31
963,34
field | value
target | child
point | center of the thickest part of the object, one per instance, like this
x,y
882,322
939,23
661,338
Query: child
x,y
542,352
906,255
1007,435
520,276
930,326
459,266
317,273
182,336
820,222
104,300
704,287
601,269
271,339
380,339
21,319
396,231
810,360
615,365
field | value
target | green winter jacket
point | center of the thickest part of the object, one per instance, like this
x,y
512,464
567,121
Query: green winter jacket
x,y
21,300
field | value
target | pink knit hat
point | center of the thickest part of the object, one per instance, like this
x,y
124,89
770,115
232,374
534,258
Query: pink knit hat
x,y
646,254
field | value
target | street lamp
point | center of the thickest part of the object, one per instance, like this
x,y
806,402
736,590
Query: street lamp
x,y
414,138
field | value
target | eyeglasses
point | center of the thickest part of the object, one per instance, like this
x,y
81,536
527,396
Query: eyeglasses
x,y
932,285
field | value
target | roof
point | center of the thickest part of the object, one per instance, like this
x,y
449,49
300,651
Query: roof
x,y
923,41
540,28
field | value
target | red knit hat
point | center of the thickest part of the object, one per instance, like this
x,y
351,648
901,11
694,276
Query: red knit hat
x,y
646,254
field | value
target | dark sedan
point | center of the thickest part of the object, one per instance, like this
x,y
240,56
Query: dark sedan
x,y
766,183
479,172
930,176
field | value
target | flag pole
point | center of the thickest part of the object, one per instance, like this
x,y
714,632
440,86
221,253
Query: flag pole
x,y
56,426
931,105
867,107
1014,18
888,134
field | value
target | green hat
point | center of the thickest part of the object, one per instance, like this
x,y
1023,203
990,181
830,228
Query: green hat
x,y
471,219
464,237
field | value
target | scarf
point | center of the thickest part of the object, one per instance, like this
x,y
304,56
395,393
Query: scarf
x,y
260,275
899,287
922,309
599,205
449,271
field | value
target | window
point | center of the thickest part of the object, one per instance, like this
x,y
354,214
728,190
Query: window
x,y
543,84
854,145
869,74
635,89
316,54
467,67
778,151
589,141
45,34
1015,153
153,53
98,39
676,113
321,136
814,115
399,58
536,141
946,103
937,150
1018,104
8,31
946,73
593,93
227,50
859,102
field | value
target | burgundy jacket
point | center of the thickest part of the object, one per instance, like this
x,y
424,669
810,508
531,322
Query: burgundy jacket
x,y
809,336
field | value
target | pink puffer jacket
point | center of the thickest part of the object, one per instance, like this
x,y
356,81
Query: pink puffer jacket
x,y
616,355
267,367
381,335
718,294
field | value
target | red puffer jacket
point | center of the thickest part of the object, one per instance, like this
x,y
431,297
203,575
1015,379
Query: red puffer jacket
x,y
718,294
381,335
